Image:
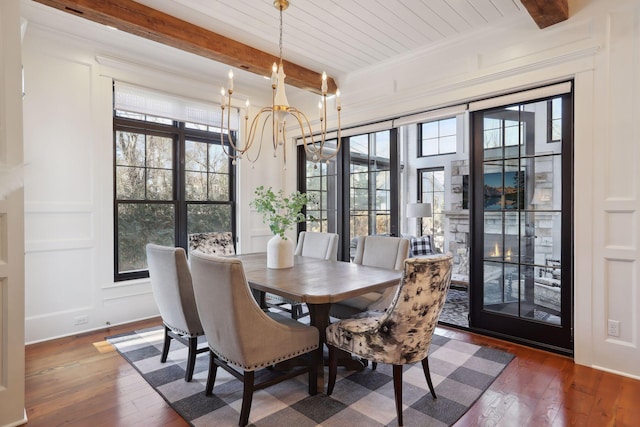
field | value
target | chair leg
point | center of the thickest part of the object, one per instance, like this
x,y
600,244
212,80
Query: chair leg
x,y
165,347
296,311
397,389
427,375
247,396
333,368
374,366
313,373
211,376
191,358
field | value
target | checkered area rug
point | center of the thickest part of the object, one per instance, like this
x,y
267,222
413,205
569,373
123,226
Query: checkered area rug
x,y
460,373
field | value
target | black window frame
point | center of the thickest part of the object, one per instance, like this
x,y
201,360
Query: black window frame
x,y
420,152
551,120
179,134
420,192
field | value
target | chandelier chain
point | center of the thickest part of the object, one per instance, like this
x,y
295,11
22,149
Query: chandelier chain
x,y
280,46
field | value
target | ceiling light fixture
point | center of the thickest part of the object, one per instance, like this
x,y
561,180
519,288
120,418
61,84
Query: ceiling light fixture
x,y
278,112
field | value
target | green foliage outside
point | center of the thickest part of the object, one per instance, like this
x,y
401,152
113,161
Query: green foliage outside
x,y
139,224
145,177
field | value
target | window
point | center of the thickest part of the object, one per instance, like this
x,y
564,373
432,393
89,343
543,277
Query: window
x,y
321,184
431,190
171,179
554,118
438,137
358,191
370,184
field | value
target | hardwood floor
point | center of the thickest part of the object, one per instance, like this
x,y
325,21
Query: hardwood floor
x,y
82,381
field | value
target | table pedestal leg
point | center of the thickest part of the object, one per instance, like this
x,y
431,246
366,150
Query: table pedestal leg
x,y
320,319
319,314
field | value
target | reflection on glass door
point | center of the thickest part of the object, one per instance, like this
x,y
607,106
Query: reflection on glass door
x,y
431,187
370,184
320,183
522,210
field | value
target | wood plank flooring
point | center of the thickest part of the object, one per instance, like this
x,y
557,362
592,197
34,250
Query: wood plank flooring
x,y
82,381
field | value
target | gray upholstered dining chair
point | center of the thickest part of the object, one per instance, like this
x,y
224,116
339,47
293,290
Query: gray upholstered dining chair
x,y
401,334
375,251
240,333
173,293
318,245
312,245
218,243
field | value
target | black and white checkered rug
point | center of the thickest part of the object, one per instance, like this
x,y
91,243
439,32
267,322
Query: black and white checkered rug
x,y
460,371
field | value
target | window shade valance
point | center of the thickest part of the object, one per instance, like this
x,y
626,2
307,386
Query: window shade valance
x,y
358,130
139,99
520,97
427,116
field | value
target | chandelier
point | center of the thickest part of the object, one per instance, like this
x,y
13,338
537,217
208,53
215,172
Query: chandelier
x,y
278,113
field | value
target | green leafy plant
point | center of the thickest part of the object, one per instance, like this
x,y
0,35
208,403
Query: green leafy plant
x,y
279,211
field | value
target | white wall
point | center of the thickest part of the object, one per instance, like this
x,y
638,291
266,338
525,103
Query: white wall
x,y
69,190
68,144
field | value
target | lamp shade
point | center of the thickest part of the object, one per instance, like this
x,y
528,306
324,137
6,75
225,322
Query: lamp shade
x,y
418,210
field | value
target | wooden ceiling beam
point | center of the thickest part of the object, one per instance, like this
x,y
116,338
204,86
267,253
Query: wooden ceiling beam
x,y
143,21
547,12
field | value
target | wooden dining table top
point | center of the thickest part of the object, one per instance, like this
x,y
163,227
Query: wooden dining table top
x,y
314,280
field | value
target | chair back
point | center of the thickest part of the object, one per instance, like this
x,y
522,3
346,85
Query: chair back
x,y
219,243
172,289
382,251
237,330
318,245
406,328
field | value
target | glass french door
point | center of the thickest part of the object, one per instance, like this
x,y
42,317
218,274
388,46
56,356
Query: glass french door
x,y
522,235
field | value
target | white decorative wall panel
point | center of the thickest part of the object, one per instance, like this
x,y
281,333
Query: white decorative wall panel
x,y
60,132
621,282
617,285
621,230
59,281
59,226
622,106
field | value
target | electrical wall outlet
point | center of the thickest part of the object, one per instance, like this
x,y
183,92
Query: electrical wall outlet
x,y
80,320
613,328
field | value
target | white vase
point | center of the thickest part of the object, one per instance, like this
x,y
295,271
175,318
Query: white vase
x,y
279,252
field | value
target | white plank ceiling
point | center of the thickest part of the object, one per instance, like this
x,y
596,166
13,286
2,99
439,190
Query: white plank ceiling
x,y
341,36
337,36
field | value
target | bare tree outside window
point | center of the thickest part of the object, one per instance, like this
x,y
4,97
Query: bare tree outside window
x,y
154,157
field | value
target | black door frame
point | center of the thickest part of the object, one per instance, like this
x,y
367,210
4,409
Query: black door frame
x,y
527,331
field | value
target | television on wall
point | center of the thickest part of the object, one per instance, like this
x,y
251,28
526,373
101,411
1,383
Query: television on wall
x,y
504,195
498,194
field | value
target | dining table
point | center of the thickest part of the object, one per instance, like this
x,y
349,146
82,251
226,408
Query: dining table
x,y
318,283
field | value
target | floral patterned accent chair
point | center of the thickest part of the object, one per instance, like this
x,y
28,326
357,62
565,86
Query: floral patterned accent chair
x,y
401,334
173,292
216,243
